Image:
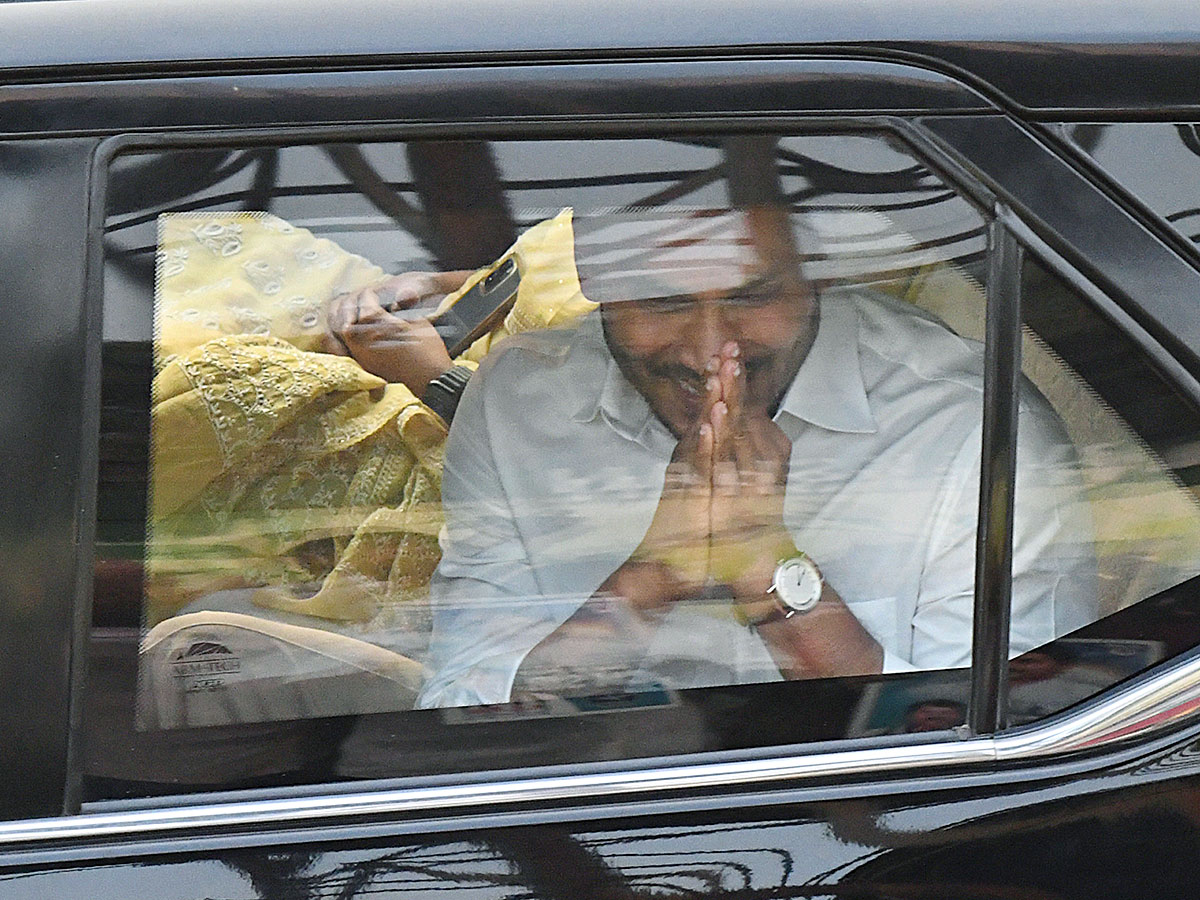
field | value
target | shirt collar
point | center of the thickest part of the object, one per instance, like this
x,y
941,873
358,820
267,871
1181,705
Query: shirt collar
x,y
616,399
828,391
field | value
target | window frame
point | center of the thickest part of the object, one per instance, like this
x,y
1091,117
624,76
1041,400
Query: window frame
x,y
891,128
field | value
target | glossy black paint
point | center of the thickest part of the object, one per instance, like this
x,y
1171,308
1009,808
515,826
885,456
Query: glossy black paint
x,y
1128,832
1137,58
43,215
1126,824
548,93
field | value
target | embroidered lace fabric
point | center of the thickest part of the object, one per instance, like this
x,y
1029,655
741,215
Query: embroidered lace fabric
x,y
283,468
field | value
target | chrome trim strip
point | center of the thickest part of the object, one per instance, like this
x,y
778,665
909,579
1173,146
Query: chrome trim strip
x,y
1139,709
530,790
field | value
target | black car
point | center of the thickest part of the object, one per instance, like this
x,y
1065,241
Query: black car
x,y
250,651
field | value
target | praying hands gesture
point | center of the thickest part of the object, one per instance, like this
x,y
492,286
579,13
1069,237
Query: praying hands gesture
x,y
719,522
720,517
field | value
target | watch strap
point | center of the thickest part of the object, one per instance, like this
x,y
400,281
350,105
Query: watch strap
x,y
444,392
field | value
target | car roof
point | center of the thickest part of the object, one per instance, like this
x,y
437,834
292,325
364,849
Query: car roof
x,y
1070,43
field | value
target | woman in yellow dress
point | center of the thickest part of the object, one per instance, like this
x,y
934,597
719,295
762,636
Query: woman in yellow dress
x,y
292,451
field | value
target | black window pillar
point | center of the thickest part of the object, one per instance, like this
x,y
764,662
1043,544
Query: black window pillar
x,y
993,546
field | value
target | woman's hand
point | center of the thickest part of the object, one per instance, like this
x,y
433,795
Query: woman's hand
x,y
381,328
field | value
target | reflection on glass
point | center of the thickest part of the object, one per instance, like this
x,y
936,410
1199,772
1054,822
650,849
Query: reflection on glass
x,y
1051,678
1133,433
1169,185
1131,443
725,431
931,701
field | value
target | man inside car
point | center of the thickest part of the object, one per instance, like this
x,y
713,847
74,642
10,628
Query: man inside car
x,y
726,476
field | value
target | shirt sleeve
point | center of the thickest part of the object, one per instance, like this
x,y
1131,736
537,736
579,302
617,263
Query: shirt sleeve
x,y
1054,566
488,607
941,627
1055,584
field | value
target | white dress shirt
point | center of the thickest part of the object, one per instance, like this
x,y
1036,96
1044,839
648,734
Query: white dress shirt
x,y
555,465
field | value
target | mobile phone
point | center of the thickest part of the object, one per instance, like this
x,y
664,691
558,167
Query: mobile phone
x,y
480,309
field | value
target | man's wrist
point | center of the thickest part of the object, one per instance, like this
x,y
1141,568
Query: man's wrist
x,y
748,565
647,585
759,601
764,611
771,609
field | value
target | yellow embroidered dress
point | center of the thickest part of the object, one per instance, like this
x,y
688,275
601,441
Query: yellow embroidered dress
x,y
284,468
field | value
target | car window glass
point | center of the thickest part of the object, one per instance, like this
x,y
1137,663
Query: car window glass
x,y
1132,498
1169,186
299,575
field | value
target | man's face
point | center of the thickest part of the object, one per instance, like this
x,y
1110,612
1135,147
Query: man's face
x,y
758,300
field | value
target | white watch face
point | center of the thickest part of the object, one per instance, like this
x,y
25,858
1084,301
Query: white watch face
x,y
798,584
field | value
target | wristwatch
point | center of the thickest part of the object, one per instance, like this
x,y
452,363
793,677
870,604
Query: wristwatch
x,y
443,393
796,587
